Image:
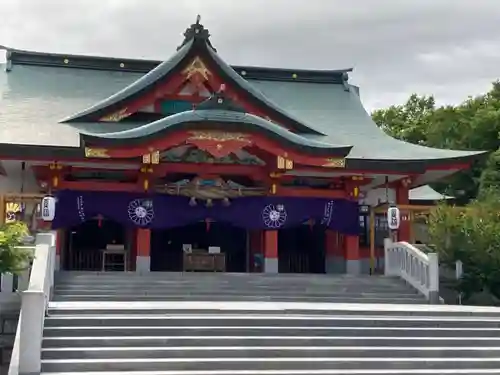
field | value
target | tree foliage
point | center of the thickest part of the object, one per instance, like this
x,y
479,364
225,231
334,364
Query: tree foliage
x,y
470,234
471,125
13,258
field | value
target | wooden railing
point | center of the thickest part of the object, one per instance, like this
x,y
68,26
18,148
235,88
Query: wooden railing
x,y
417,268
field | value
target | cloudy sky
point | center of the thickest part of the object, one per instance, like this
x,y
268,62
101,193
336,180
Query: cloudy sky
x,y
449,48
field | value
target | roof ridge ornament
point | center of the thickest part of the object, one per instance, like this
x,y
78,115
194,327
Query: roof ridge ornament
x,y
198,33
219,101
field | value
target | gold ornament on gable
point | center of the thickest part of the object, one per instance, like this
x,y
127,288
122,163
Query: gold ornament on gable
x,y
96,153
196,67
334,163
116,116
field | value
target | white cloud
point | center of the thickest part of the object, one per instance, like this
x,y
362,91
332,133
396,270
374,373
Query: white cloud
x,y
445,47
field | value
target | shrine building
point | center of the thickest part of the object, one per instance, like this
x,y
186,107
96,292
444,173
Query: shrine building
x,y
191,164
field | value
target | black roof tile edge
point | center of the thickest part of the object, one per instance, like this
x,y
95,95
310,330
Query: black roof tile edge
x,y
31,58
60,153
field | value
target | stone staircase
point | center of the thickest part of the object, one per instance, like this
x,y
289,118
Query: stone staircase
x,y
207,324
74,286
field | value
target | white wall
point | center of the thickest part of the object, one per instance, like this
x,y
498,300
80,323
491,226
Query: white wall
x,y
377,196
13,181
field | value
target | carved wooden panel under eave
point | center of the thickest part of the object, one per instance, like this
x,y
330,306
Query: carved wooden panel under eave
x,y
219,144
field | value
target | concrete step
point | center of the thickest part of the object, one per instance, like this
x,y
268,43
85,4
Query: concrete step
x,y
235,293
244,340
255,364
242,297
62,289
226,275
374,288
86,308
297,372
290,331
251,319
270,352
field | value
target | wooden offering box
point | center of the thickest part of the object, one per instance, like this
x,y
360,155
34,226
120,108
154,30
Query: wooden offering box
x,y
201,260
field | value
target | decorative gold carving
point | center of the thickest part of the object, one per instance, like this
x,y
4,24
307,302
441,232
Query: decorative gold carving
x,y
334,163
197,66
96,153
218,136
116,116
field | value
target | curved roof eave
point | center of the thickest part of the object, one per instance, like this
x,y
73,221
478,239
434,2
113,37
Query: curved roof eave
x,y
257,94
154,75
210,116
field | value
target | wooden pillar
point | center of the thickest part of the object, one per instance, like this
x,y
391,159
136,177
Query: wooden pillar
x,y
353,255
372,241
334,253
402,198
271,251
143,258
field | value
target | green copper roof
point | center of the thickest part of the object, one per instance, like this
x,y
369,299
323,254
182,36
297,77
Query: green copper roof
x,y
33,99
336,110
217,116
138,85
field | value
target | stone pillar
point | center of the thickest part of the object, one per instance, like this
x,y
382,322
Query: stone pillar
x,y
59,248
402,198
271,251
335,261
353,255
143,260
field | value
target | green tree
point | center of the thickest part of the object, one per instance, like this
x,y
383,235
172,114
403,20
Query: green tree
x,y
470,234
408,122
14,259
490,176
471,125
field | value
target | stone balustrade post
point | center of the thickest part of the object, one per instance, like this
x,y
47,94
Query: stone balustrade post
x,y
30,344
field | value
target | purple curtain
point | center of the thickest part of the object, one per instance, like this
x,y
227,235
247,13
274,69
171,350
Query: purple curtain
x,y
157,211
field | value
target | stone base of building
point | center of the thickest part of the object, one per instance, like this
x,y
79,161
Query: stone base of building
x,y
143,264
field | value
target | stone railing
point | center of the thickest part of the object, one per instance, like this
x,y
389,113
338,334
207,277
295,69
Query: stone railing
x,y
417,268
26,353
10,286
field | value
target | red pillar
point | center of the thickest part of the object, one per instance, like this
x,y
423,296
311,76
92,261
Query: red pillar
x,y
402,198
352,255
143,260
271,251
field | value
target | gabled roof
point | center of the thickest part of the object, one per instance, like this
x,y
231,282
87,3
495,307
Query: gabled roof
x,y
41,89
426,193
215,112
196,44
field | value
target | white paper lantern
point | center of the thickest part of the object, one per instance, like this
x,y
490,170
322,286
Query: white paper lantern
x,y
393,218
48,208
